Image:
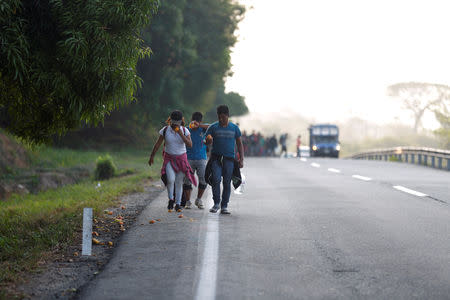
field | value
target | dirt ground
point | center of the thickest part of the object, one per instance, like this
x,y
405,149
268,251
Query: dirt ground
x,y
66,273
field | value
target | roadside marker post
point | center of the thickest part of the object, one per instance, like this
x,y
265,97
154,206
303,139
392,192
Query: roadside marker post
x,y
87,231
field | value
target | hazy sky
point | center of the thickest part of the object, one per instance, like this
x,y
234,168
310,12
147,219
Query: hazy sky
x,y
333,59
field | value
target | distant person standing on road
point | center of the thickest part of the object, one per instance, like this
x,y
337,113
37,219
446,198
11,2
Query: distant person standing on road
x,y
223,135
283,139
175,165
197,159
299,143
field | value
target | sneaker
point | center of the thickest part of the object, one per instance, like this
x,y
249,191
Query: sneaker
x,y
171,203
214,209
188,205
225,211
199,203
178,207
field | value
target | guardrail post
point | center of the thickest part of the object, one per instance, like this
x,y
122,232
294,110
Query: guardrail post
x,y
432,162
448,164
87,231
419,159
425,160
406,157
440,162
385,157
412,158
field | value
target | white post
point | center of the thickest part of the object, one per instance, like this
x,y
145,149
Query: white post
x,y
87,231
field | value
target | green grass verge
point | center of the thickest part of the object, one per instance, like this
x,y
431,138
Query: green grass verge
x,y
32,225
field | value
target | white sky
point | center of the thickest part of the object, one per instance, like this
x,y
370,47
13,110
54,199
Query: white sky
x,y
333,59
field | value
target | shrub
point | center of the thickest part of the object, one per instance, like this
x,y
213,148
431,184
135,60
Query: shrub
x,y
105,168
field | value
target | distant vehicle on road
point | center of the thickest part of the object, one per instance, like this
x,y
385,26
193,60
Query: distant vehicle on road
x,y
324,140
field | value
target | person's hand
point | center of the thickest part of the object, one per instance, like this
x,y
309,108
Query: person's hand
x,y
241,163
194,124
178,130
150,161
208,139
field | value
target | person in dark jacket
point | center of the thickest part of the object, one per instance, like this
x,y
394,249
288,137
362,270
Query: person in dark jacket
x,y
223,135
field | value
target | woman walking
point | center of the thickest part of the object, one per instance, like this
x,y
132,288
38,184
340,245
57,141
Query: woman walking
x,y
175,165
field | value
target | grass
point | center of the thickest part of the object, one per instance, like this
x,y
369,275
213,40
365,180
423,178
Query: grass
x,y
65,158
32,225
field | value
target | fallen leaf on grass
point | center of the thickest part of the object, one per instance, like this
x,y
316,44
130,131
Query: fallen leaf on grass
x,y
180,216
151,221
110,244
95,241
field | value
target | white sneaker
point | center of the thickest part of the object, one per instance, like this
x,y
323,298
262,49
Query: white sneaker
x,y
199,203
188,204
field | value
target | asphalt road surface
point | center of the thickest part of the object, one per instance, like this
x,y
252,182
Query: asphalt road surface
x,y
299,229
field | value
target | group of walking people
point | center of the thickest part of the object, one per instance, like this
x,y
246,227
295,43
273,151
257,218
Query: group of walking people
x,y
256,144
184,154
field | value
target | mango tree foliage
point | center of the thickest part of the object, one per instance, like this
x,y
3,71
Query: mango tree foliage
x,y
66,63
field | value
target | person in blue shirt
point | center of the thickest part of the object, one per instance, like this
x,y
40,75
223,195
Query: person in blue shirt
x,y
223,135
197,159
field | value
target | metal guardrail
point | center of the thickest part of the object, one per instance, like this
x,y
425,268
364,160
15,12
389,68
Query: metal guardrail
x,y
416,155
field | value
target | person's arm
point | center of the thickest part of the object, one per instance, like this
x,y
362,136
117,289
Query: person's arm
x,y
155,149
186,139
241,152
204,126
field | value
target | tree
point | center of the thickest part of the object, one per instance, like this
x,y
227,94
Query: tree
x,y
191,42
64,63
442,114
419,97
234,101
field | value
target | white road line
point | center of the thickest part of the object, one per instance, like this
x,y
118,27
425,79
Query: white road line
x,y
315,165
362,177
206,288
409,191
334,170
303,159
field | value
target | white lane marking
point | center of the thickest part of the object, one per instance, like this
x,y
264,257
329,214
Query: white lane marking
x,y
362,177
409,191
303,159
206,288
334,170
315,165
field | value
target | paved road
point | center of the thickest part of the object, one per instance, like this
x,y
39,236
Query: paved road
x,y
314,229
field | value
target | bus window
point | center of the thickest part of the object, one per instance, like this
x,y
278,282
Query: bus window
x,y
325,131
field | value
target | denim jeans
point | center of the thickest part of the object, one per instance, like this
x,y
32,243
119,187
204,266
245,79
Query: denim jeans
x,y
220,171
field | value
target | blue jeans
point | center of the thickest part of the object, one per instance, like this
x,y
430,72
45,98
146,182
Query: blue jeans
x,y
224,171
